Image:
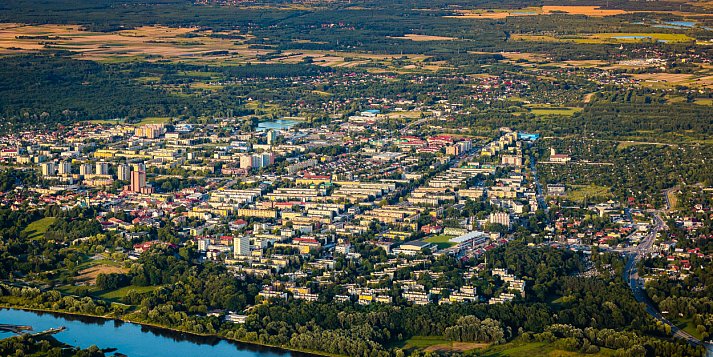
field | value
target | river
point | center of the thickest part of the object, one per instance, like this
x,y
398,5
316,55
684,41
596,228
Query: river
x,y
132,339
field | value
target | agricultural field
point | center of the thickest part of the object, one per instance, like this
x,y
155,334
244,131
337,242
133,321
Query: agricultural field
x,y
594,11
185,45
608,38
668,80
146,42
419,38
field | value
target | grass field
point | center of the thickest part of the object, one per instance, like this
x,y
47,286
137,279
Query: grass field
x,y
563,111
154,120
688,326
441,241
37,229
518,348
122,292
578,193
89,275
594,11
419,38
704,101
608,38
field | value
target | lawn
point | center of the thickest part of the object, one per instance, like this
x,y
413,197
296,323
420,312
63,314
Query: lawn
x,y
440,240
579,193
153,120
635,38
37,229
122,292
421,342
518,348
704,101
564,111
688,326
104,121
608,38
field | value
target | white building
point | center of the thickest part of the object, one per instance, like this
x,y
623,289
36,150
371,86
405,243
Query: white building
x,y
241,246
500,218
48,168
123,172
102,168
85,169
65,168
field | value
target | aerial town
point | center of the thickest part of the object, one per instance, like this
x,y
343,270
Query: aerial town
x,y
356,178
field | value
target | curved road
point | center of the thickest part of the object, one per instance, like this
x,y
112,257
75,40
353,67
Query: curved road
x,y
631,277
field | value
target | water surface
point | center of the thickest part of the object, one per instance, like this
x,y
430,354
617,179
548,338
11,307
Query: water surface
x,y
132,339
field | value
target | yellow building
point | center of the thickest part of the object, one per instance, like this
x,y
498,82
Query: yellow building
x,y
261,213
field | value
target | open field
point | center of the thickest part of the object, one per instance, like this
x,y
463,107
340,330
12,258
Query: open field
x,y
424,341
519,348
419,38
668,80
493,14
146,41
688,326
89,275
37,229
608,38
586,10
441,241
455,347
704,101
594,11
153,120
413,114
122,292
187,45
579,193
564,111
582,10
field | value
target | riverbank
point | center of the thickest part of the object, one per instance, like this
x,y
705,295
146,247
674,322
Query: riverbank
x,y
158,327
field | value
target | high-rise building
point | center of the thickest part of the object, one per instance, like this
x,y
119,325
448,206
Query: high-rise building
x,y
500,218
514,160
203,244
271,137
246,162
85,169
267,159
241,246
138,180
123,172
48,168
65,168
102,168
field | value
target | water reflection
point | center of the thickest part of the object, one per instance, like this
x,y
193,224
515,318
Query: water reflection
x,y
132,339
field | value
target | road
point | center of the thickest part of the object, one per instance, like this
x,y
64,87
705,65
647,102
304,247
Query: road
x,y
414,123
541,202
631,277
